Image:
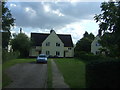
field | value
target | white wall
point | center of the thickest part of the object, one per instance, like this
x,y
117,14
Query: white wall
x,y
53,39
95,48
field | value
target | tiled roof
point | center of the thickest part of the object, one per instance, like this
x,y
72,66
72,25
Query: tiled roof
x,y
38,38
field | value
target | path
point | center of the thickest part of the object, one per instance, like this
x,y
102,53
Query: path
x,y
58,80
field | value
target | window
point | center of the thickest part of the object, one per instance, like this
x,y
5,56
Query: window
x,y
48,44
69,48
58,44
39,52
57,53
47,52
97,52
97,44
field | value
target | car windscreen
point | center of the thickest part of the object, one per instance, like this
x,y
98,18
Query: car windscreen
x,y
42,56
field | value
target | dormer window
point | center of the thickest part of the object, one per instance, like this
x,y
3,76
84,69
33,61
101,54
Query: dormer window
x,y
58,44
47,43
69,48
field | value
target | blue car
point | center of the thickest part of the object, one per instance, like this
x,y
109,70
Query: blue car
x,y
42,58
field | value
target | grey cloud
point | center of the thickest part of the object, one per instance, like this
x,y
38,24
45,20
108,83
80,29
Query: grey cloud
x,y
72,12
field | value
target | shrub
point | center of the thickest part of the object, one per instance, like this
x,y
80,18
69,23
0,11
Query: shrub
x,y
9,55
87,56
103,74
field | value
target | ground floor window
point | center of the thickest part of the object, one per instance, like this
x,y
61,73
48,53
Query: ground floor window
x,y
39,52
57,53
97,52
47,52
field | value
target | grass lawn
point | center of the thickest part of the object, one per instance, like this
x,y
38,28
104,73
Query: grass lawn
x,y
49,80
73,71
5,79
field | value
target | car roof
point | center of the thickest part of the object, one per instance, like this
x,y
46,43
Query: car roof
x,y
42,54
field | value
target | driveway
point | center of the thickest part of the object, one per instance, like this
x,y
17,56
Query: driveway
x,y
28,75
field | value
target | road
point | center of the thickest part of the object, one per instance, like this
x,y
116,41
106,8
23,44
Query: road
x,y
28,75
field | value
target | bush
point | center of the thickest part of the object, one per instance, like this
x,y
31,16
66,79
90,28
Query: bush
x,y
87,56
9,55
103,74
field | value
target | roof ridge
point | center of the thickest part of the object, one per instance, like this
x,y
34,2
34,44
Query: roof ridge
x,y
39,33
63,34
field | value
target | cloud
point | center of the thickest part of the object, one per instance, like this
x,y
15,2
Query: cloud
x,y
65,17
50,14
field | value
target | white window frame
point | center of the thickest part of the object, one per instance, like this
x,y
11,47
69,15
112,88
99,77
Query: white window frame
x,y
47,43
47,52
57,53
57,44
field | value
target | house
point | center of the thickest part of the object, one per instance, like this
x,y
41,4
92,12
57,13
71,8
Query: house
x,y
51,44
95,46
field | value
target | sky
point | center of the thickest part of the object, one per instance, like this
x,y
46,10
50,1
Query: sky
x,y
68,17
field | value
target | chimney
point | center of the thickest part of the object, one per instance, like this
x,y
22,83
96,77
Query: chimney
x,y
20,30
52,31
99,32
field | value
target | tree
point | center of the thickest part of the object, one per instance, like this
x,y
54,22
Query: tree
x,y
84,44
21,43
7,23
109,24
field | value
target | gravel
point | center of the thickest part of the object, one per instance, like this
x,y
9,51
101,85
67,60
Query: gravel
x,y
28,75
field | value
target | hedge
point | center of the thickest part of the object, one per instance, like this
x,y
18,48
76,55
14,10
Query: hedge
x,y
103,74
9,55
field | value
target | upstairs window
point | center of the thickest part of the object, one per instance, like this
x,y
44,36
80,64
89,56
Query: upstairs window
x,y
58,44
97,44
47,43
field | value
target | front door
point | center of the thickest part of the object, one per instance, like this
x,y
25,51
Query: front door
x,y
64,53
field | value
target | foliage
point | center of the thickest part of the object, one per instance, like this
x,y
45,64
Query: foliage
x,y
6,56
88,57
103,74
84,44
21,43
7,23
109,24
5,79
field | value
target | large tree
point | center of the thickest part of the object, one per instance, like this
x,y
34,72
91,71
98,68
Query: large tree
x,y
84,44
21,43
7,23
109,24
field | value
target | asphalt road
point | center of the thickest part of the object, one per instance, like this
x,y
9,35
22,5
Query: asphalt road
x,y
28,75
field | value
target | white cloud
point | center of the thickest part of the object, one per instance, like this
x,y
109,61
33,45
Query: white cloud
x,y
12,5
77,29
46,8
58,0
57,12
66,17
30,12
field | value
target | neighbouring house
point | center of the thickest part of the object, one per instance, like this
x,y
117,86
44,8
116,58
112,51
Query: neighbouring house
x,y
51,44
95,46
